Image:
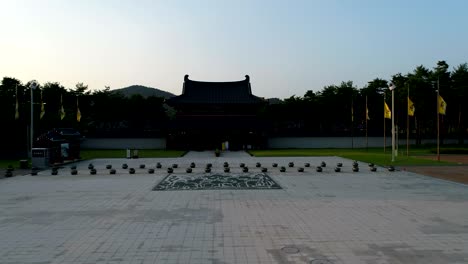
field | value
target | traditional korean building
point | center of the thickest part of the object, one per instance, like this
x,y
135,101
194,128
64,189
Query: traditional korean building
x,y
209,114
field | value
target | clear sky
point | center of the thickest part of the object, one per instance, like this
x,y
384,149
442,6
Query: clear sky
x,y
287,47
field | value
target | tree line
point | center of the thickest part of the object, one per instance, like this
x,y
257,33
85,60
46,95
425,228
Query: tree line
x,y
335,110
340,110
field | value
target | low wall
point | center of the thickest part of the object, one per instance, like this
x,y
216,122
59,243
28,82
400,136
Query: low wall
x,y
341,142
123,143
273,143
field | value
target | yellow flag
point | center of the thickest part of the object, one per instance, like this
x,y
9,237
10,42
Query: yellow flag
x,y
367,113
62,110
17,105
42,107
411,107
78,113
387,112
442,105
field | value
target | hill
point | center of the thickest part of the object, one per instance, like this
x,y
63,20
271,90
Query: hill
x,y
143,91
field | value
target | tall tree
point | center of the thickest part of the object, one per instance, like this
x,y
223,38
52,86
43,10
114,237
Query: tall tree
x,y
460,89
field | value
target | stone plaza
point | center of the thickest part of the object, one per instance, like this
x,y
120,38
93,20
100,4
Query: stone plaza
x,y
364,217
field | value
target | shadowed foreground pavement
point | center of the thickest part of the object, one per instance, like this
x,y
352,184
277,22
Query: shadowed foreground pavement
x,y
329,217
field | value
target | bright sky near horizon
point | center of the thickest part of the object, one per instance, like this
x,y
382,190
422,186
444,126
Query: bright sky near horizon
x,y
287,47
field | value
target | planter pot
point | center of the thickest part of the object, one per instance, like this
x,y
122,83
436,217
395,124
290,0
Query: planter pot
x,y
227,169
112,171
207,170
283,169
323,164
170,170
188,170
131,171
319,169
74,172
264,169
337,169
142,166
150,171
124,166
291,164
275,165
307,165
192,165
300,169
158,165
108,167
258,165
245,169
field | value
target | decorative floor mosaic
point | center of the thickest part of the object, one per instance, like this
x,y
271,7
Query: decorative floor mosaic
x,y
216,181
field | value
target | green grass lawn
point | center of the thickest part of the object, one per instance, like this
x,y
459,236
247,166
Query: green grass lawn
x,y
371,155
5,163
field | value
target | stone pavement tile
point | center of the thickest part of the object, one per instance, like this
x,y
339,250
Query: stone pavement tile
x,y
345,217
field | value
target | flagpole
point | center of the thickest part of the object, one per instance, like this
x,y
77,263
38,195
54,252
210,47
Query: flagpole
x,y
392,88
438,125
32,86
367,115
407,124
31,137
385,138
352,124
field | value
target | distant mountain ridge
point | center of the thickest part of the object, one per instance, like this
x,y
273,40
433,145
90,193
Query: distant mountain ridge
x,y
143,91
150,91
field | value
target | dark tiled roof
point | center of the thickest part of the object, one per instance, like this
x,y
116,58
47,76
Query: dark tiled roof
x,y
196,92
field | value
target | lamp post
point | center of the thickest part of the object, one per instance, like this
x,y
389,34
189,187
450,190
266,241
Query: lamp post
x,y
392,88
32,85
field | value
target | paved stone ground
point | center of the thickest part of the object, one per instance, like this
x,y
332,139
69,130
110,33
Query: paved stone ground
x,y
365,217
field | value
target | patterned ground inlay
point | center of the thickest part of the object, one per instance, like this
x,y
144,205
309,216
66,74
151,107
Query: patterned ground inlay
x,y
216,181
